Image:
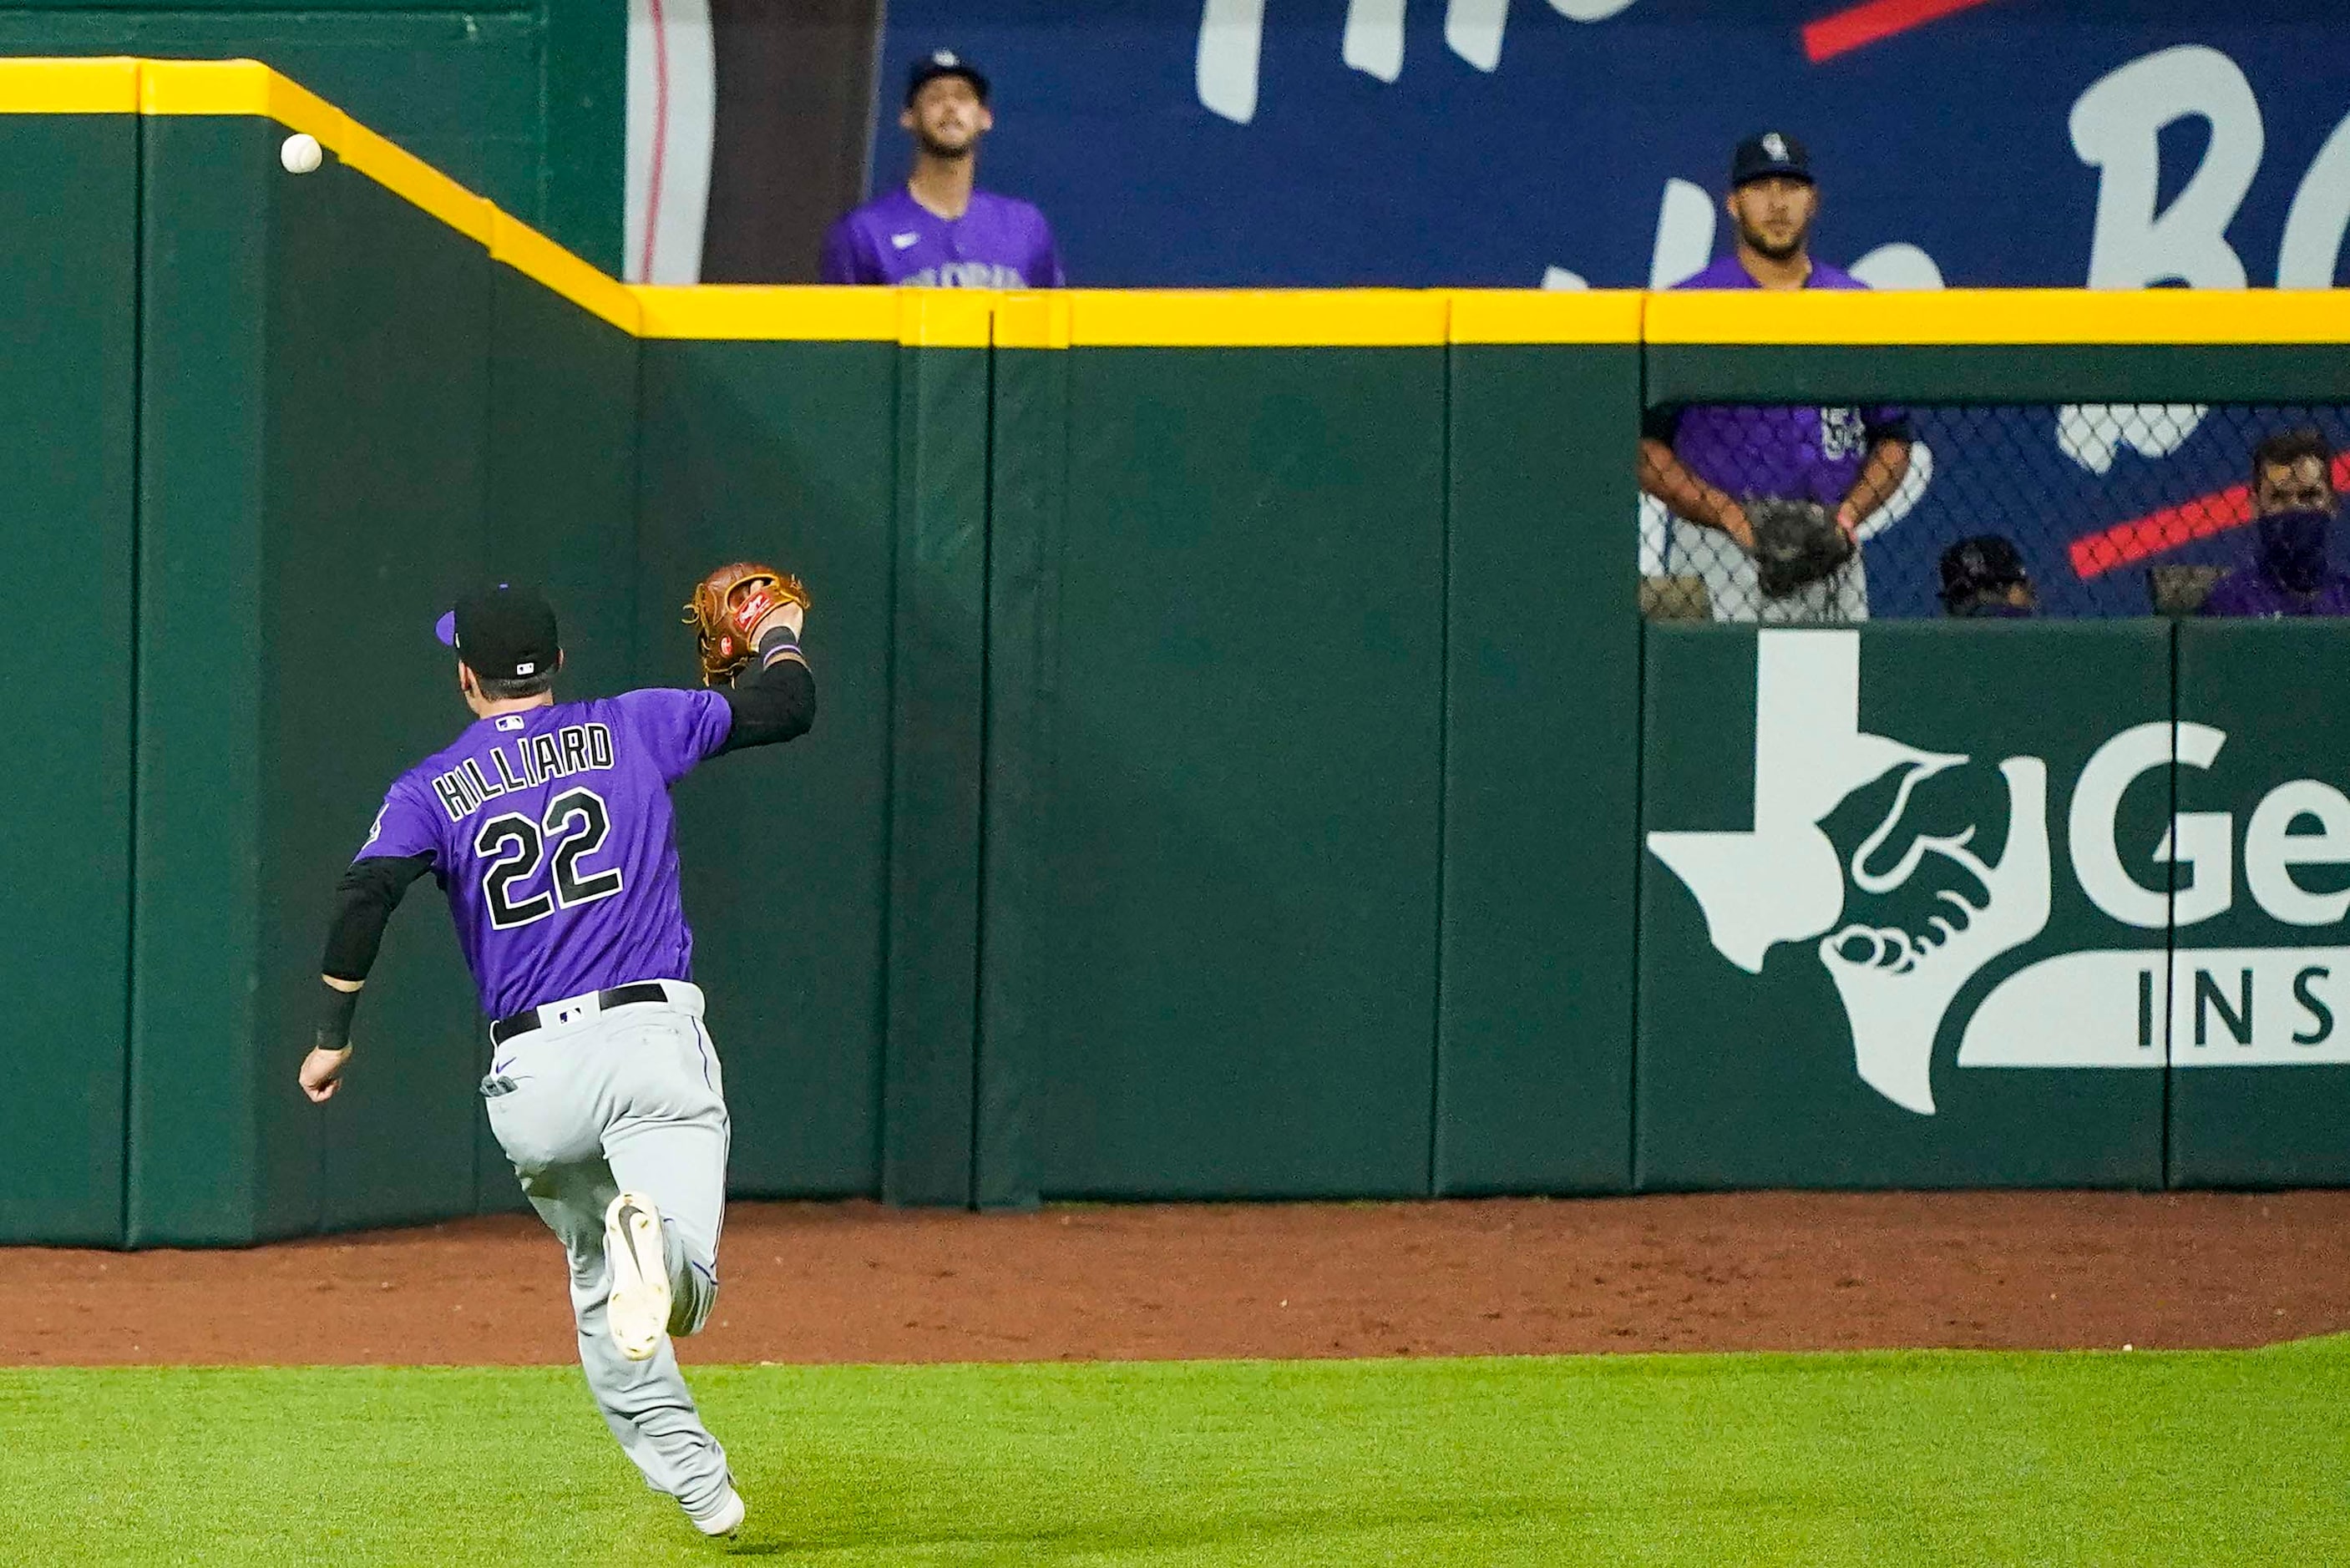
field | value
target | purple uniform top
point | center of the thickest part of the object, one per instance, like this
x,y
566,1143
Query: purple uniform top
x,y
1804,454
998,242
552,833
2252,590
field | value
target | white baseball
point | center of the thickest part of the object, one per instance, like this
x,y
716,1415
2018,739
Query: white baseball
x,y
301,153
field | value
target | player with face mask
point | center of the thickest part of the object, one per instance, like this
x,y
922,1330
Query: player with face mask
x,y
2291,571
938,230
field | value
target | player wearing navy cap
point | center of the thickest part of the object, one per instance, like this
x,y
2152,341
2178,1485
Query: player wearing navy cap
x,y
549,826
937,228
1983,579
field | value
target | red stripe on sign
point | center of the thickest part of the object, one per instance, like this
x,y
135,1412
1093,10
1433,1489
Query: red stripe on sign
x,y
2097,553
1873,23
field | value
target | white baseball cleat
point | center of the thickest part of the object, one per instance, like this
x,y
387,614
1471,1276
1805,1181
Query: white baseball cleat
x,y
637,1312
728,1520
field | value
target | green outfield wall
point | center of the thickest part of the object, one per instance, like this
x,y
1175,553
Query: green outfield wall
x,y
1540,798
1236,830
1234,779
68,383
2266,692
346,413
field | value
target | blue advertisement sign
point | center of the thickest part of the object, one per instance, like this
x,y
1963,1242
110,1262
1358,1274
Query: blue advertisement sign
x,y
1493,143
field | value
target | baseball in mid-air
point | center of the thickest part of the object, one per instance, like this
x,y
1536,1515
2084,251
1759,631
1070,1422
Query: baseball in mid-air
x,y
301,153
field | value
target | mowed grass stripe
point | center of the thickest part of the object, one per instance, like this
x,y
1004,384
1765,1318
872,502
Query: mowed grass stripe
x,y
1907,1458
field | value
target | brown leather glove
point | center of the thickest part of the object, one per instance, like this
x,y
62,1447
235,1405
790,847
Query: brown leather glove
x,y
727,607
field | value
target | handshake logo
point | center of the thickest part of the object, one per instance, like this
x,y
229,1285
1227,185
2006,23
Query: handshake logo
x,y
1918,908
1784,880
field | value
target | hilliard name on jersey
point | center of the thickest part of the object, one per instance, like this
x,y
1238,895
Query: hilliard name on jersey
x,y
555,754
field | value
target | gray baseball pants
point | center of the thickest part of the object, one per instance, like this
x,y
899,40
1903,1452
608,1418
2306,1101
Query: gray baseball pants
x,y
587,1104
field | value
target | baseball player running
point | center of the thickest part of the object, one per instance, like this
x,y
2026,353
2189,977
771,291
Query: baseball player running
x,y
548,824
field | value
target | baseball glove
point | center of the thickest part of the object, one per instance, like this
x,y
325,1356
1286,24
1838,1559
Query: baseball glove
x,y
1796,543
727,607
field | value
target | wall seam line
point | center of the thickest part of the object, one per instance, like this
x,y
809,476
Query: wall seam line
x,y
2166,1179
131,760
980,802
1443,753
885,1000
1639,799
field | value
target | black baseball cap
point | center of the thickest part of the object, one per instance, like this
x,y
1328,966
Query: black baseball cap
x,y
1767,153
504,633
1984,564
944,63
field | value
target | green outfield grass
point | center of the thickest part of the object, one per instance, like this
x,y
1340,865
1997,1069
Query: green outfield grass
x,y
1891,1459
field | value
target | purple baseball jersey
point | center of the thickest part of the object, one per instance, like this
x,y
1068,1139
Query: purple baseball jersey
x,y
998,242
2252,590
552,833
1804,454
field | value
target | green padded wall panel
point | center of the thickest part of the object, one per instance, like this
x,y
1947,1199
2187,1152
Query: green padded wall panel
x,y
783,450
1234,825
1540,810
68,357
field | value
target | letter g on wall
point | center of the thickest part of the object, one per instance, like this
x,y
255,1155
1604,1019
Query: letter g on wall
x,y
2201,840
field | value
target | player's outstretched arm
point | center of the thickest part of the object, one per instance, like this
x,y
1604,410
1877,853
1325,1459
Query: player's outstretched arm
x,y
776,701
747,617
364,899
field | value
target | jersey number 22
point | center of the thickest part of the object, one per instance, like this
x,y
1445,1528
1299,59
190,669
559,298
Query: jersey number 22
x,y
576,825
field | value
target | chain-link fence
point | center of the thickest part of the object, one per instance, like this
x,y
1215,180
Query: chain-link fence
x,y
2004,509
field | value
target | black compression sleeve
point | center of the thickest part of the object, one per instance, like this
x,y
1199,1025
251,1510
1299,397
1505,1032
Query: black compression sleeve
x,y
364,900
775,704
335,1010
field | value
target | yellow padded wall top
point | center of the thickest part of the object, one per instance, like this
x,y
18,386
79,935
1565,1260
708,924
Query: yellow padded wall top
x,y
1546,315
740,311
535,256
1999,316
1257,318
69,86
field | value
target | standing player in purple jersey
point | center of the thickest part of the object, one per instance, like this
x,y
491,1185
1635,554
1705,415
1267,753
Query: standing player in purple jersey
x,y
1703,463
937,230
548,826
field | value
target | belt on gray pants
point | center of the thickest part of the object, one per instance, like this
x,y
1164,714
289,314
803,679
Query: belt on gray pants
x,y
505,1029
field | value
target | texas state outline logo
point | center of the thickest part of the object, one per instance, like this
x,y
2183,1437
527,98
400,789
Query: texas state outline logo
x,y
1784,880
